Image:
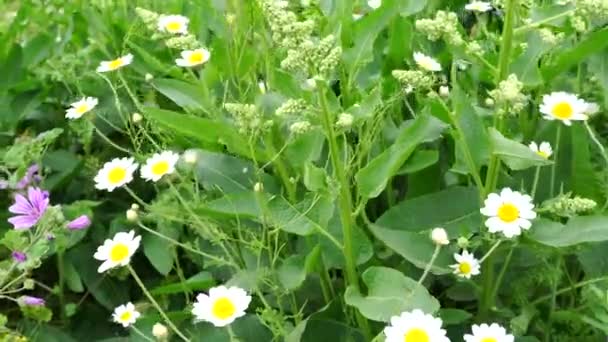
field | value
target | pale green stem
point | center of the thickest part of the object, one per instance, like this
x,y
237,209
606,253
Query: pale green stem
x,y
155,304
535,183
141,334
490,251
597,142
570,288
555,159
428,267
523,29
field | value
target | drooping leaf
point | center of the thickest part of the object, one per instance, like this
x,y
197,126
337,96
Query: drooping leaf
x,y
198,282
389,294
186,95
578,230
517,156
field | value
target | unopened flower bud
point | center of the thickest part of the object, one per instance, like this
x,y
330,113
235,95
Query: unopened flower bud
x,y
132,215
135,206
258,187
136,117
463,242
444,91
190,157
345,120
439,236
160,331
149,77
489,102
28,284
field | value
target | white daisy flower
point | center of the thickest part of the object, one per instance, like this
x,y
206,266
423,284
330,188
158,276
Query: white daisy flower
x,y
125,314
357,16
79,108
118,63
375,4
488,333
426,62
118,251
175,24
563,106
592,108
478,6
509,212
467,265
158,165
222,306
544,149
192,58
415,326
115,173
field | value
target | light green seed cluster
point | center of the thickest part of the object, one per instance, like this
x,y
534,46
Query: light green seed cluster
x,y
474,49
509,94
411,79
187,42
549,37
247,118
567,206
300,127
306,54
443,26
291,107
592,9
184,42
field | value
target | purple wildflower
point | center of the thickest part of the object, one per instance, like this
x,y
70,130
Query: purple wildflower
x,y
29,210
19,256
31,176
33,301
80,222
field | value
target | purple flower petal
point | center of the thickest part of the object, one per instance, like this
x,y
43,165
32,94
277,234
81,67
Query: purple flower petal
x,y
34,301
19,256
21,206
80,222
23,221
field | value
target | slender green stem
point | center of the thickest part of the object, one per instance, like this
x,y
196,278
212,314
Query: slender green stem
x,y
503,270
61,281
153,301
530,26
141,334
280,167
428,267
555,159
535,183
553,303
569,288
345,204
597,142
231,334
490,251
135,197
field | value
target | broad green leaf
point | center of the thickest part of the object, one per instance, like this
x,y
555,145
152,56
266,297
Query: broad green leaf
x,y
186,95
598,67
373,178
333,253
583,179
203,129
198,282
453,209
409,7
578,230
475,134
420,160
315,178
304,218
591,44
515,155
454,316
526,65
389,293
158,251
325,325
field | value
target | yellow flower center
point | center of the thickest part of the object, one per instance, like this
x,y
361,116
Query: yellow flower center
x,y
563,110
160,168
196,57
81,109
464,268
543,154
416,335
119,252
173,26
489,339
508,212
125,316
223,308
115,64
117,175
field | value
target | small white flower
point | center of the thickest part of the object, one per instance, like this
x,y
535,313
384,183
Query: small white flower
x,y
509,212
118,63
444,91
466,265
132,215
563,106
158,165
375,4
544,150
425,62
117,251
79,108
190,156
125,314
115,173
440,236
222,306
192,58
478,6
175,24
415,326
262,87
488,333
